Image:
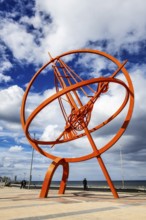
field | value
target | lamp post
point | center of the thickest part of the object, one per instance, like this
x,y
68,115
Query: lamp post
x,y
24,175
30,176
122,170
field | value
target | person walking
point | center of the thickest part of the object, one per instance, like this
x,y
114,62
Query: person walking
x,y
85,184
23,184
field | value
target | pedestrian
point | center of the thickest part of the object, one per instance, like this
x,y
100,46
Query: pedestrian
x,y
23,184
85,184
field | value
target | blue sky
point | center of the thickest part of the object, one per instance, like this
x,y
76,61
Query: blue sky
x,y
31,29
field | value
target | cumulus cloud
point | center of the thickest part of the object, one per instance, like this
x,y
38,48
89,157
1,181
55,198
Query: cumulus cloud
x,y
112,26
10,99
20,48
50,133
5,65
76,29
16,148
4,78
74,25
50,125
122,25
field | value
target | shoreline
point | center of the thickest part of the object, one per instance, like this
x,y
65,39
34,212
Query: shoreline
x,y
80,188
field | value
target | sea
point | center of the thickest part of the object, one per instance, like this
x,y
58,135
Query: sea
x,y
127,184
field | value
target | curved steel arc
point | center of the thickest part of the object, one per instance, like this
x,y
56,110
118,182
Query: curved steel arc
x,y
52,60
64,91
130,93
49,175
80,115
22,112
52,99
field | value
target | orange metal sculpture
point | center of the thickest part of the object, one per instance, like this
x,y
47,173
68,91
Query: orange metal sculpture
x,y
68,84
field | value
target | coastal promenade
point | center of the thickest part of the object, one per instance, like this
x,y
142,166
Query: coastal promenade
x,y
20,204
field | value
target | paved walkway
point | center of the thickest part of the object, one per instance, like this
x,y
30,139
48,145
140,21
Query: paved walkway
x,y
18,204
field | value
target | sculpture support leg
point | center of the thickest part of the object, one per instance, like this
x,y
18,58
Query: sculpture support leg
x,y
49,175
101,163
64,178
106,174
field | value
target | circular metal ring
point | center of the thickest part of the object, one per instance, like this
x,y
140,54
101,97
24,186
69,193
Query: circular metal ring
x,y
129,89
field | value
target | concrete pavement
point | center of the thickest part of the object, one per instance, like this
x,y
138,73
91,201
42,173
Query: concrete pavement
x,y
18,204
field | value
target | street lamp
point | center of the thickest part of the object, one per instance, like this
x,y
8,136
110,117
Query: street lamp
x,y
122,170
24,175
30,176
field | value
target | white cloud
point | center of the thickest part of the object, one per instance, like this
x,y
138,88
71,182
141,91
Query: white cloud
x,y
16,148
16,160
139,81
5,65
50,133
50,127
122,24
18,40
73,25
49,124
35,20
96,64
10,99
1,128
4,78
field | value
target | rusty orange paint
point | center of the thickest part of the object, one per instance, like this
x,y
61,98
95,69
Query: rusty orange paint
x,y
80,114
47,181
